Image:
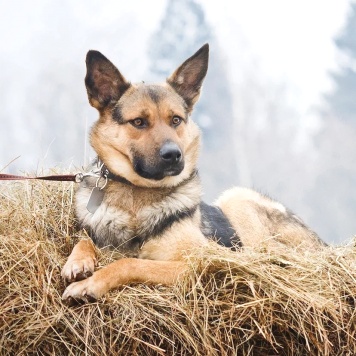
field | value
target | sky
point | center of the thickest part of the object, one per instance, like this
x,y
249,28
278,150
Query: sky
x,y
289,40
292,41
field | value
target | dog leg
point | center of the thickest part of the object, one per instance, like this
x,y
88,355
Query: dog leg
x,y
125,271
80,263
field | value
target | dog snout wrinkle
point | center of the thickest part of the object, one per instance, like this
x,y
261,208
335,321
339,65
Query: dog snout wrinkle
x,y
170,153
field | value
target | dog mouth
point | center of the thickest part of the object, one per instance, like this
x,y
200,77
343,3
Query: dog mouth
x,y
157,173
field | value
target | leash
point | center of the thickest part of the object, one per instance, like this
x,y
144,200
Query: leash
x,y
58,178
101,172
97,193
77,178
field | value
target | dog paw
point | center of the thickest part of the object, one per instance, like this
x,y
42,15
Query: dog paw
x,y
87,290
78,269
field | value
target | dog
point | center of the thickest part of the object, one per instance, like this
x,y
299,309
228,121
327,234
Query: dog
x,y
143,196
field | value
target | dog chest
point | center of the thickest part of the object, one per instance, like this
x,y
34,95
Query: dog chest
x,y
129,217
108,225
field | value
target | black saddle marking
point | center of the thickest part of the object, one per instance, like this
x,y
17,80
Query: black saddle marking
x,y
215,225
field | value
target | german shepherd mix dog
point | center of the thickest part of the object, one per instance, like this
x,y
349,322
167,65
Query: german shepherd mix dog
x,y
146,203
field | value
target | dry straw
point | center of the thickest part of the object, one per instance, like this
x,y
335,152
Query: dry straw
x,y
252,302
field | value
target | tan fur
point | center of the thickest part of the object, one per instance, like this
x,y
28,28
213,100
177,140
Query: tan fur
x,y
171,248
261,221
81,262
160,262
112,142
168,207
123,272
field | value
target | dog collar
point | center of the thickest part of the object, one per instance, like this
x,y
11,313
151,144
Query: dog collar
x,y
101,171
97,194
105,173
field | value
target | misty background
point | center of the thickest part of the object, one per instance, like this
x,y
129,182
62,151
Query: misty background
x,y
277,111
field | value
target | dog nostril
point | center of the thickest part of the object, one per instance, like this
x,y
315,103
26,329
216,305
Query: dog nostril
x,y
172,156
170,153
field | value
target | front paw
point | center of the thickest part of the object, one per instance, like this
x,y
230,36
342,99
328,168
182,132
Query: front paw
x,y
87,290
77,269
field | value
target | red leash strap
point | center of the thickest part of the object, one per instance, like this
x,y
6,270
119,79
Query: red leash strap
x,y
58,178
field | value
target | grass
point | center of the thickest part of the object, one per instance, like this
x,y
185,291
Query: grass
x,y
254,302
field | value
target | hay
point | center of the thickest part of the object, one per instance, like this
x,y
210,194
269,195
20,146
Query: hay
x,y
246,303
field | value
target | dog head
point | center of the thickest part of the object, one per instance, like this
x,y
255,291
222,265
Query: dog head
x,y
144,132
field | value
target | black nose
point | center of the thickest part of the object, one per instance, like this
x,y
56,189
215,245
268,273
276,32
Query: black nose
x,y
170,153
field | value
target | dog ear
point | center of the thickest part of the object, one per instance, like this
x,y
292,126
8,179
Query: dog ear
x,y
188,78
104,83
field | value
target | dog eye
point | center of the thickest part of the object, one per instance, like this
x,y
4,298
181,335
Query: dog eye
x,y
138,122
176,120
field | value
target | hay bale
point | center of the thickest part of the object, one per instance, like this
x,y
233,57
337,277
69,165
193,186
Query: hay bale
x,y
249,303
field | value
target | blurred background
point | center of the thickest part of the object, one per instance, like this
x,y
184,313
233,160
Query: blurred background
x,y
277,112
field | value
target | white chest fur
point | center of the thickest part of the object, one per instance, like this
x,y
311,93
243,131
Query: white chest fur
x,y
127,216
108,226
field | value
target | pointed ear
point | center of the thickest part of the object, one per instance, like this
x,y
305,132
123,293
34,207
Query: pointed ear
x,y
188,78
104,83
